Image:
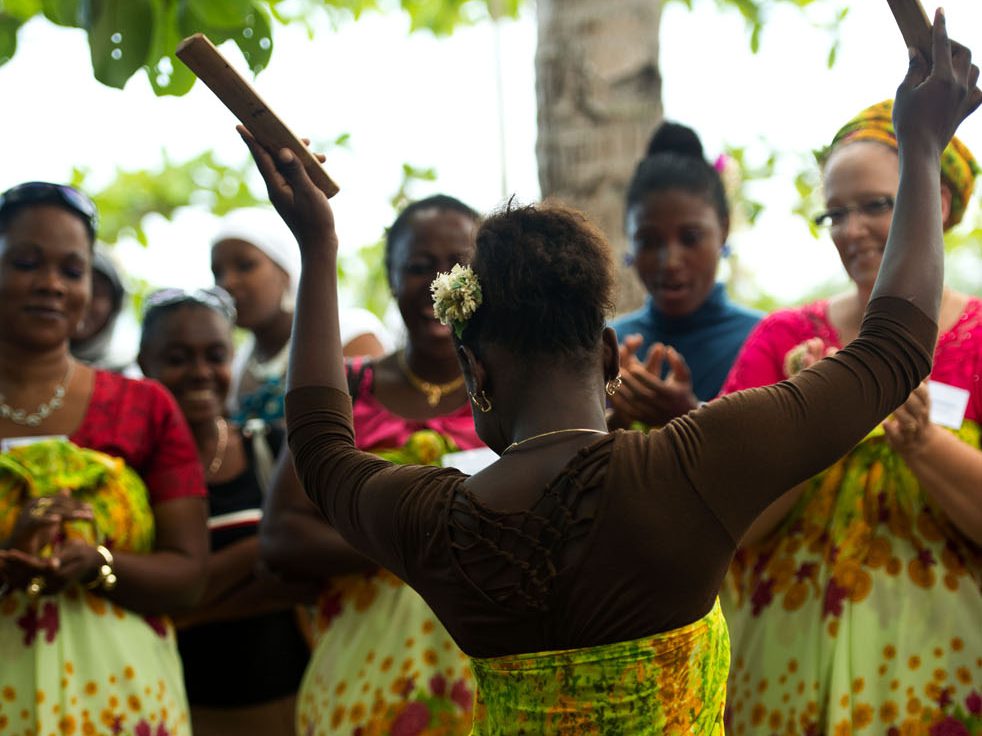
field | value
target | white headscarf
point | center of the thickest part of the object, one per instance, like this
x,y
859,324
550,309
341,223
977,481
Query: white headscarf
x,y
263,228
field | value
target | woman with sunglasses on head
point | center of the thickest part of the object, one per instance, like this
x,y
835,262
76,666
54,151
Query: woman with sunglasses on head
x,y
102,514
580,570
253,257
410,406
677,349
876,560
242,649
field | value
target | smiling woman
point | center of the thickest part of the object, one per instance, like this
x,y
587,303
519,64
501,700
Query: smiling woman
x,y
874,561
243,653
374,634
102,528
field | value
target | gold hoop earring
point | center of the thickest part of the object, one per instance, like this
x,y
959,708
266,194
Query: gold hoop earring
x,y
613,384
482,402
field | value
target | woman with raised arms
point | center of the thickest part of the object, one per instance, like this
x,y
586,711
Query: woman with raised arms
x,y
580,571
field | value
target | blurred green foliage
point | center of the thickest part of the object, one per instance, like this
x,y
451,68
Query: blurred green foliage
x,y
126,36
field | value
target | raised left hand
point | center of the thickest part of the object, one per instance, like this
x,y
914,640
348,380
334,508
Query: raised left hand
x,y
908,427
303,207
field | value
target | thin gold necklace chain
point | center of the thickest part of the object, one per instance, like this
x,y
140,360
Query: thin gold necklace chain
x,y
216,462
513,445
432,391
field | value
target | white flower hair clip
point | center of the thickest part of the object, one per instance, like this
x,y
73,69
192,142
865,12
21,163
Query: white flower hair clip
x,y
456,296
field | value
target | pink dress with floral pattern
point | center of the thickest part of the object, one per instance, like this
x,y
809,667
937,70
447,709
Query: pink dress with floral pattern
x,y
862,612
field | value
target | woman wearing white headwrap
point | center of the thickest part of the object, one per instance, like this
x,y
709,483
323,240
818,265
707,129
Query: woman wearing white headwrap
x,y
254,257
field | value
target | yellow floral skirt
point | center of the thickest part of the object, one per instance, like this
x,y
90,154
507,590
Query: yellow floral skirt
x,y
861,614
382,664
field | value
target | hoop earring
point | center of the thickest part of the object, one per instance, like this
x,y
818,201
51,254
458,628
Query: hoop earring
x,y
613,384
482,402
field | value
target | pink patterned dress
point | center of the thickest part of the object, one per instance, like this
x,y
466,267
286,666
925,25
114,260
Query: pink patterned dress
x,y
382,662
862,612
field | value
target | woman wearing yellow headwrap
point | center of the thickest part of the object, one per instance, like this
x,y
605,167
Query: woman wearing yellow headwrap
x,y
854,603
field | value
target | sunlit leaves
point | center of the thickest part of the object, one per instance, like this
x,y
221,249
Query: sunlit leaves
x,y
63,12
120,36
20,9
168,75
8,37
755,14
127,35
133,195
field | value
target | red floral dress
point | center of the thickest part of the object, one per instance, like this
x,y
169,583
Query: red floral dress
x,y
75,663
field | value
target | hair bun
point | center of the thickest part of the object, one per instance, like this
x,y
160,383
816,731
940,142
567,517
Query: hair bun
x,y
675,138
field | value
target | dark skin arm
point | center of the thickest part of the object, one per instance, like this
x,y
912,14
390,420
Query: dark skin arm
x,y
296,542
239,587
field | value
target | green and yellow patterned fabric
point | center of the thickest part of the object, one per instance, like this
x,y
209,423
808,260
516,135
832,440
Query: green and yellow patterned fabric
x,y
77,663
670,683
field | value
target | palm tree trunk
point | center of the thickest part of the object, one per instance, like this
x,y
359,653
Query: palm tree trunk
x,y
599,98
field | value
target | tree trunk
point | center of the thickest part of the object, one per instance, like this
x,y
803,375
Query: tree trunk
x,y
599,99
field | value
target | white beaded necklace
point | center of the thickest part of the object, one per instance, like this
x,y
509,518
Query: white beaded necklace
x,y
20,416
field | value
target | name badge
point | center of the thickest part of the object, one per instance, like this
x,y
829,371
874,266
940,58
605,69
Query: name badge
x,y
948,404
12,442
469,462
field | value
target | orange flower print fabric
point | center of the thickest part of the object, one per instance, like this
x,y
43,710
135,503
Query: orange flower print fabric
x,y
671,683
861,613
76,663
382,664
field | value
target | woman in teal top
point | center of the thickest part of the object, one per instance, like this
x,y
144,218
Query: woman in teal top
x,y
678,348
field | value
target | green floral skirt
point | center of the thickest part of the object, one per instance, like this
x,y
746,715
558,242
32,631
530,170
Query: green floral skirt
x,y
670,683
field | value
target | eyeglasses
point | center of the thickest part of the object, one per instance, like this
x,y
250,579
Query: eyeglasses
x,y
870,209
215,298
43,192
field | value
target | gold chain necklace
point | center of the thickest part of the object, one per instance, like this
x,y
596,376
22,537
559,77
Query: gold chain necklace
x,y
216,462
513,445
20,416
432,391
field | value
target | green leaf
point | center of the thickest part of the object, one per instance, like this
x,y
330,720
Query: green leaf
x,y
8,37
20,9
168,75
221,13
255,39
120,36
755,37
63,12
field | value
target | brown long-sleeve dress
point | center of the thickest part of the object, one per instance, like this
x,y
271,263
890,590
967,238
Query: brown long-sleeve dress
x,y
634,537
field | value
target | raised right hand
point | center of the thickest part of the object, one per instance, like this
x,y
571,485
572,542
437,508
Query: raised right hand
x,y
936,95
303,207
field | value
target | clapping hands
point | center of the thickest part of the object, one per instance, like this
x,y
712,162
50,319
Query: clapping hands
x,y
645,396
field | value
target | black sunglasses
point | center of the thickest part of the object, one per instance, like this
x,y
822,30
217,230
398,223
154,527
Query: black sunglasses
x,y
43,192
